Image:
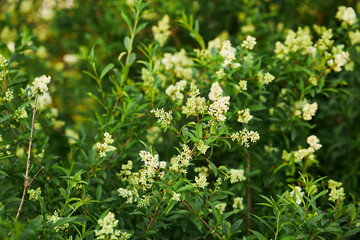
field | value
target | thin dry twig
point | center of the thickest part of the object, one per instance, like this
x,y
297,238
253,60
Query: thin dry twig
x,y
26,176
35,176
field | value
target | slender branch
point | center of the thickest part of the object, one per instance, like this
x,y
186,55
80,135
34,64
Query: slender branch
x,y
156,211
26,176
201,219
248,159
175,129
35,176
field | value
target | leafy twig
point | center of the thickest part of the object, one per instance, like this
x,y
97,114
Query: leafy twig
x,y
26,176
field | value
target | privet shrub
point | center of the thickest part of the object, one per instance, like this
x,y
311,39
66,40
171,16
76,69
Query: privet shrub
x,y
159,130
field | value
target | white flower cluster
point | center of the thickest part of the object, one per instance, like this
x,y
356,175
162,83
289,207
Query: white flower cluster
x,y
238,203
54,218
242,86
244,116
325,41
126,170
176,196
220,104
339,60
34,194
354,37
3,62
299,41
200,181
313,141
202,147
227,52
245,136
174,91
107,224
147,77
20,113
249,43
221,207
202,170
40,83
194,104
181,161
267,78
125,193
164,118
336,193
180,63
151,162
45,101
9,95
144,201
237,175
298,197
300,154
309,110
346,14
161,31
221,74
215,91
105,146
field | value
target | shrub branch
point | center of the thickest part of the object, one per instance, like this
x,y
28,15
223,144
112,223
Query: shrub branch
x,y
26,176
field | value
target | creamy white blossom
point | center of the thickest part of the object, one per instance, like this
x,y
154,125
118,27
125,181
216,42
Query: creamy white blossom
x,y
151,162
54,218
346,14
227,52
237,175
298,197
174,91
161,31
164,118
313,141
40,83
105,145
238,203
34,194
245,137
337,194
249,43
309,110
201,181
244,116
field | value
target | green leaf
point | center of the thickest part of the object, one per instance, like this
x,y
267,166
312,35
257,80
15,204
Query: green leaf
x,y
17,80
140,27
351,233
98,192
127,43
127,20
168,208
258,235
235,226
317,196
213,168
106,70
132,58
184,188
3,173
6,118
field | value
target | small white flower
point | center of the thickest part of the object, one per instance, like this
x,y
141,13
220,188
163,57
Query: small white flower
x,y
249,43
40,83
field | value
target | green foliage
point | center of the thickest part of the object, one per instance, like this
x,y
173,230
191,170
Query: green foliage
x,y
179,119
